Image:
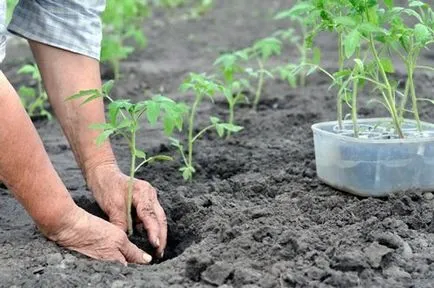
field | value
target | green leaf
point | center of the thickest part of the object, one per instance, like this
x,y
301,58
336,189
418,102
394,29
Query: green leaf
x,y
27,92
103,137
416,4
297,10
187,172
84,93
389,3
360,66
160,158
214,120
107,87
153,112
387,65
27,69
169,125
346,21
231,127
220,130
100,126
351,43
140,154
368,28
268,47
422,34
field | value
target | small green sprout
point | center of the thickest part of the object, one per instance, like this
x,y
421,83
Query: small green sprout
x,y
303,13
122,21
202,86
262,50
234,85
34,100
124,119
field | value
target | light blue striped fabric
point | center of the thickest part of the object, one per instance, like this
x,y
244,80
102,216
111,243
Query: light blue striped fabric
x,y
2,30
73,25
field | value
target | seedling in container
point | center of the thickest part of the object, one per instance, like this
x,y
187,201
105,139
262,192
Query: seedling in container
x,y
124,119
202,86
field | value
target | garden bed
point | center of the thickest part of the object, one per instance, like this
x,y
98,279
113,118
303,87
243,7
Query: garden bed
x,y
255,214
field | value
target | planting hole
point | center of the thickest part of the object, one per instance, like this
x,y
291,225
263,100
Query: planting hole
x,y
179,238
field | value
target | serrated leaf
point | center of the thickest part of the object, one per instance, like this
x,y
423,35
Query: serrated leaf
x,y
140,154
107,87
152,112
268,47
214,120
422,34
83,93
387,65
169,125
100,126
220,130
91,98
351,43
346,21
231,127
27,92
103,137
370,28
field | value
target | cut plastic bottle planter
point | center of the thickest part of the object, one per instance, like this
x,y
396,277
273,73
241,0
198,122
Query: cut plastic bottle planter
x,y
378,162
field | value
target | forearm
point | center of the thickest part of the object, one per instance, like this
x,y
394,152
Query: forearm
x,y
65,74
25,167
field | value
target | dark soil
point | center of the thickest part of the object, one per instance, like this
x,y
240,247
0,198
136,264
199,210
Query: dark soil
x,y
255,215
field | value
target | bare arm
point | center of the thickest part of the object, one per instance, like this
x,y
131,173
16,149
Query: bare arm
x,y
64,74
27,171
25,167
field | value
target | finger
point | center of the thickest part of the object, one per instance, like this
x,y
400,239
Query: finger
x,y
119,258
146,213
135,255
161,216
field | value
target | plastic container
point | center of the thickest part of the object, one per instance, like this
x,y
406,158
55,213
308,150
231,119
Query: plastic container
x,y
377,163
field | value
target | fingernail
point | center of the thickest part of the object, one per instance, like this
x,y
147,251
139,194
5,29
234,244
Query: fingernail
x,y
147,258
157,243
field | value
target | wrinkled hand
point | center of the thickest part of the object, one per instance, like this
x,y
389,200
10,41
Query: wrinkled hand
x,y
98,239
110,188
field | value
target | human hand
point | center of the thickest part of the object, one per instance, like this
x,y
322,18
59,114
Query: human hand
x,y
97,238
110,188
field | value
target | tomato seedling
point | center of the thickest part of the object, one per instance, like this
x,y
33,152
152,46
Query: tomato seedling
x,y
122,21
202,86
124,119
308,24
34,100
234,84
262,50
370,34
